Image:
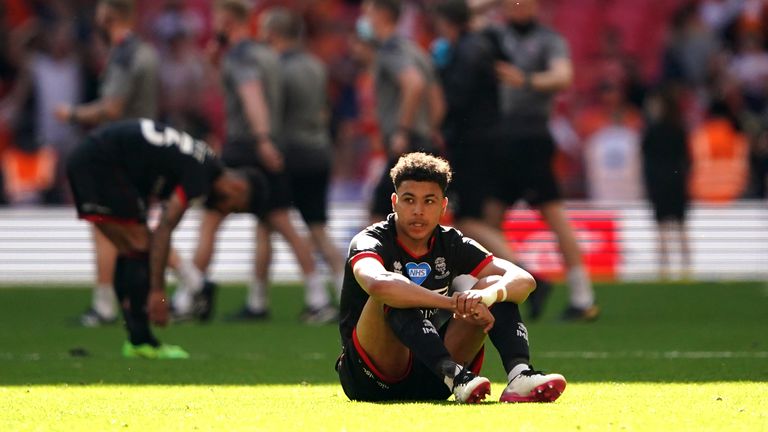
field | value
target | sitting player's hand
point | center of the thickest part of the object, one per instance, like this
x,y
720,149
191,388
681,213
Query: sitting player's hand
x,y
158,308
466,302
482,317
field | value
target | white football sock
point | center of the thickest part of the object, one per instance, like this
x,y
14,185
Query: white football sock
x,y
103,300
517,370
315,293
257,296
182,301
580,287
190,277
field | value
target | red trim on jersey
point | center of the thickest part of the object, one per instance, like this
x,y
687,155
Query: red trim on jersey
x,y
179,191
477,362
482,265
97,218
367,360
361,255
411,254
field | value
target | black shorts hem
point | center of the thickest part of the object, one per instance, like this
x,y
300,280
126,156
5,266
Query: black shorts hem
x,y
523,171
102,191
102,218
310,195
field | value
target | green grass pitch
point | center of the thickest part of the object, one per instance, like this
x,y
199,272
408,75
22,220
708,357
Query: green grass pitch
x,y
661,357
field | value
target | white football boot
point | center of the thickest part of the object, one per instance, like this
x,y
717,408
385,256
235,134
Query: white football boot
x,y
528,385
469,388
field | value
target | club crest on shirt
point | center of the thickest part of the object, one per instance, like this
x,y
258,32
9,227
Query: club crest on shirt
x,y
418,273
397,267
441,268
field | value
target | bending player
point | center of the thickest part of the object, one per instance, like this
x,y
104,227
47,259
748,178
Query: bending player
x,y
114,174
400,340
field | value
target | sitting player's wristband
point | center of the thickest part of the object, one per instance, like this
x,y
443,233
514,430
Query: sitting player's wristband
x,y
494,296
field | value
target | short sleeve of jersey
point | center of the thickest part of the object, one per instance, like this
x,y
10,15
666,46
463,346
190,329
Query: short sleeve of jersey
x,y
366,244
195,181
193,185
394,61
117,79
429,72
244,68
471,257
557,47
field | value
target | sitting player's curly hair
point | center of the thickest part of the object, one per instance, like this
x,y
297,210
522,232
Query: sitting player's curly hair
x,y
421,167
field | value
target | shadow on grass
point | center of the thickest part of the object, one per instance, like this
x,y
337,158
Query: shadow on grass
x,y
647,333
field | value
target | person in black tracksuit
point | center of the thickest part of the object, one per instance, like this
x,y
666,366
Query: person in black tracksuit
x,y
473,126
472,117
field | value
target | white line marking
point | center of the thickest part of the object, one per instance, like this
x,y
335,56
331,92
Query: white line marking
x,y
666,355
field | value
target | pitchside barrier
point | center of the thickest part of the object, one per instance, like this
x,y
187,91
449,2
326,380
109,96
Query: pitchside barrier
x,y
49,246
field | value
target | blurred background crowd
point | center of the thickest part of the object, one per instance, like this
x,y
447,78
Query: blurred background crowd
x,y
706,59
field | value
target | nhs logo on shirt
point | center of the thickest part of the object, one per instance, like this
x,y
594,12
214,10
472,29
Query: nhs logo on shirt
x,y
418,272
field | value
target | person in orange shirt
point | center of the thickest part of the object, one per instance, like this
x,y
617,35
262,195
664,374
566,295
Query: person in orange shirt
x,y
719,156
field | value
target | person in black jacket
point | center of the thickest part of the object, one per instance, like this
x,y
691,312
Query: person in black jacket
x,y
665,168
472,126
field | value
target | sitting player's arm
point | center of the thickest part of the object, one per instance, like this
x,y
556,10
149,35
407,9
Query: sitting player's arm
x,y
396,290
503,281
160,242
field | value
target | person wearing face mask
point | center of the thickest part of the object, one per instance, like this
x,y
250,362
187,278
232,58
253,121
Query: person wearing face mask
x,y
128,89
533,65
465,62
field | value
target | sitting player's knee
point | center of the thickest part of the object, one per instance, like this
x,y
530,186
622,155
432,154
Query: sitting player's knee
x,y
398,319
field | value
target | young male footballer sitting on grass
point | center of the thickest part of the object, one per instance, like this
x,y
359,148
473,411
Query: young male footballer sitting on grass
x,y
114,174
404,336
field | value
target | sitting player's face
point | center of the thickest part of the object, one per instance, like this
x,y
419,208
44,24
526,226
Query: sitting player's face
x,y
418,206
